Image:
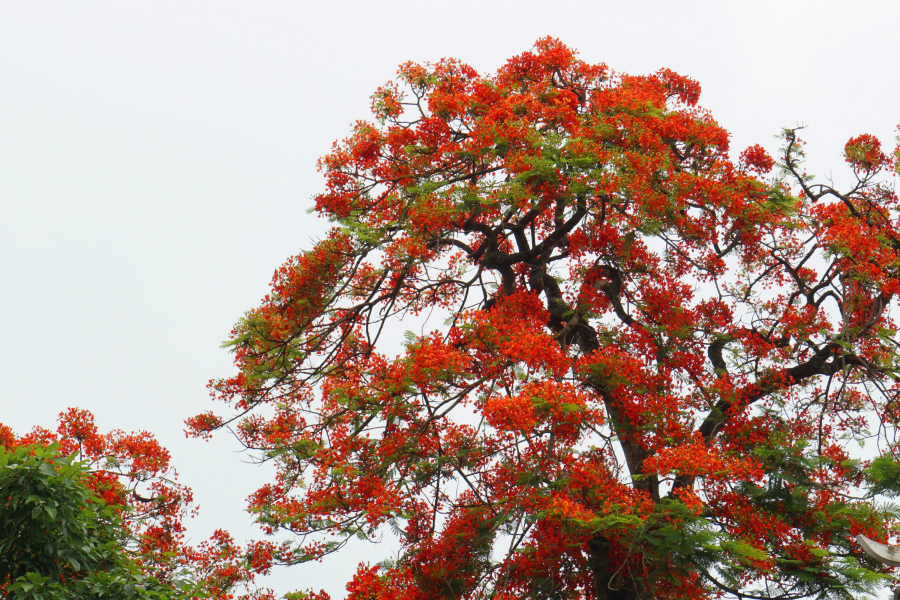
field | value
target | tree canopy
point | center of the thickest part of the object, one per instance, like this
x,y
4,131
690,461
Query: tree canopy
x,y
86,515
647,370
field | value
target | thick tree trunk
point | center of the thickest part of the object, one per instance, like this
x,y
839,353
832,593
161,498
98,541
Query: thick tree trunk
x,y
611,582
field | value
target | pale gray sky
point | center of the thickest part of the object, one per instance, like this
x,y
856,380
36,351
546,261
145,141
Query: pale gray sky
x,y
157,160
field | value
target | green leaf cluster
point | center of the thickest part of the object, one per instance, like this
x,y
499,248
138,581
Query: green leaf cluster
x,y
58,540
51,524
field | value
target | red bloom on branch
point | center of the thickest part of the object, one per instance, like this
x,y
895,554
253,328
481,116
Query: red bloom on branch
x,y
757,160
864,154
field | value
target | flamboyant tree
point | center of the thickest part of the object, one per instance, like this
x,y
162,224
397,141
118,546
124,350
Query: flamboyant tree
x,y
90,515
645,371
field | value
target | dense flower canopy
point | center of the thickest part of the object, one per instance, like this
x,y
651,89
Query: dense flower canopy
x,y
646,371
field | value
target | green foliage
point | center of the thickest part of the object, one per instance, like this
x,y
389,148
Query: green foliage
x,y
51,525
884,476
124,583
59,540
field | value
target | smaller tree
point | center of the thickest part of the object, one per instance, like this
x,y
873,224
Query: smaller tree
x,y
61,540
91,515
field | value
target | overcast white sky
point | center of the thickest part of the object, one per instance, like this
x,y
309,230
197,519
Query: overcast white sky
x,y
157,160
